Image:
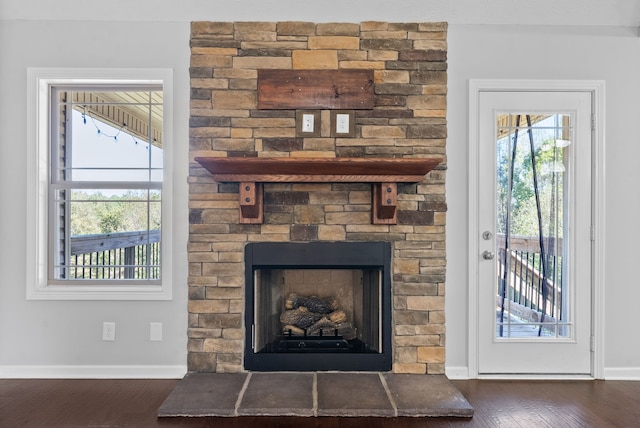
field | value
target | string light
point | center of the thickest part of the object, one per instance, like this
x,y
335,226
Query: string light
x,y
99,131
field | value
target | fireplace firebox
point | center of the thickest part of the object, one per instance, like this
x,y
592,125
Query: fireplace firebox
x,y
318,306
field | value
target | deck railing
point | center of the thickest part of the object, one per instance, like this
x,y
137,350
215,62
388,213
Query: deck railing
x,y
525,285
126,255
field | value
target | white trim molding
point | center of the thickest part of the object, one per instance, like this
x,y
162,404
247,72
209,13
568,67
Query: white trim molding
x,y
457,373
622,373
93,372
597,89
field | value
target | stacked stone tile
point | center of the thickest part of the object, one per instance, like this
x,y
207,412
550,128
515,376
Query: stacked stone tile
x,y
409,120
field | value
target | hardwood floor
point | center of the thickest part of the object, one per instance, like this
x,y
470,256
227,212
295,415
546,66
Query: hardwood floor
x,y
134,403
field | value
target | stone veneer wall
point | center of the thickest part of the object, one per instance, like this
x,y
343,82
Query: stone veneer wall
x,y
409,120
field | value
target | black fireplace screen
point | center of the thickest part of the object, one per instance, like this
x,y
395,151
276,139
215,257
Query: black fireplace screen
x,y
318,306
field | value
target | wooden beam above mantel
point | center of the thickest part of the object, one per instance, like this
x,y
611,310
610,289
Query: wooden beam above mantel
x,y
385,173
315,89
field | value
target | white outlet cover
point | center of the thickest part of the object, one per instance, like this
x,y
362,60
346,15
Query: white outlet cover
x,y
342,123
109,331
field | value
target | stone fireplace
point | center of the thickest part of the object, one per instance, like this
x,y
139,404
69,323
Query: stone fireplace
x,y
407,120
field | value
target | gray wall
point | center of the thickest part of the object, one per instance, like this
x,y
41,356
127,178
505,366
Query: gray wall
x,y
38,334
580,53
58,338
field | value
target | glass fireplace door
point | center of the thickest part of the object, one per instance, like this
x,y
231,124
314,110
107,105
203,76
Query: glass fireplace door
x,y
318,306
317,310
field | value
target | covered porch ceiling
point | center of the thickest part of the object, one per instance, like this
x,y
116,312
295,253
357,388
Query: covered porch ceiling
x,y
129,111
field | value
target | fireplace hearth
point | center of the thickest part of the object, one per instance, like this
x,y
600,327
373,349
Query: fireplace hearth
x,y
318,306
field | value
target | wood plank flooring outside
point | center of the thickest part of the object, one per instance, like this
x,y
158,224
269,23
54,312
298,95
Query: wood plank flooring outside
x,y
52,403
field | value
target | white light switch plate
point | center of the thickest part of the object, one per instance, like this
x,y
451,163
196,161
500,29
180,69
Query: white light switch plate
x,y
307,123
155,331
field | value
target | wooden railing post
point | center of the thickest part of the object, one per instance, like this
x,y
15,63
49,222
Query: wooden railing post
x,y
129,261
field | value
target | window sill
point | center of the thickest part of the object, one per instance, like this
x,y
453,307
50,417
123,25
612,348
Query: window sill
x,y
84,292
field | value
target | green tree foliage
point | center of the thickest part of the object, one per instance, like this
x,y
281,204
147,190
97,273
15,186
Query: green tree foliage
x,y
95,213
524,212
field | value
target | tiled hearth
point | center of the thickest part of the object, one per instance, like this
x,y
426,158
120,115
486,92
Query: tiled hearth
x,y
407,119
315,394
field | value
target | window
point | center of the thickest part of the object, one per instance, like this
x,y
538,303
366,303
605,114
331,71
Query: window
x,y
105,188
100,197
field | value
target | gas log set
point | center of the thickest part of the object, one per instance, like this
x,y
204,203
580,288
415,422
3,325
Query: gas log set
x,y
312,324
312,316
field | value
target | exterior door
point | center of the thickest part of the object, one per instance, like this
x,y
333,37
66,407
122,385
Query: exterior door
x,y
535,222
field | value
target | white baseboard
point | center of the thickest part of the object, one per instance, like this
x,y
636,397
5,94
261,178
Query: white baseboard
x,y
622,373
93,372
542,377
611,373
457,373
178,372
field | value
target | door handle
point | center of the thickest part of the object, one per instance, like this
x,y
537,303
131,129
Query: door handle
x,y
488,255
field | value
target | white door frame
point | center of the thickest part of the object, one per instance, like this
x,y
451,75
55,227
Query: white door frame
x,y
597,89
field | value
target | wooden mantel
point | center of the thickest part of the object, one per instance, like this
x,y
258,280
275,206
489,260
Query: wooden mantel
x,y
384,173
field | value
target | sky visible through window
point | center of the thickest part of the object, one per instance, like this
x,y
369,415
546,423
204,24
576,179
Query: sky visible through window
x,y
98,145
103,154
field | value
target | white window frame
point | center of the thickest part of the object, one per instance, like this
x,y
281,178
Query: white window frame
x,y
39,285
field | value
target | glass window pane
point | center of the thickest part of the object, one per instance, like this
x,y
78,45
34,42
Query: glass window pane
x,y
107,160
532,154
111,210
101,152
108,136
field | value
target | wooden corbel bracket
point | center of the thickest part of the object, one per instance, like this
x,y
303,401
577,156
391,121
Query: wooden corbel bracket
x,y
251,206
385,203
384,174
